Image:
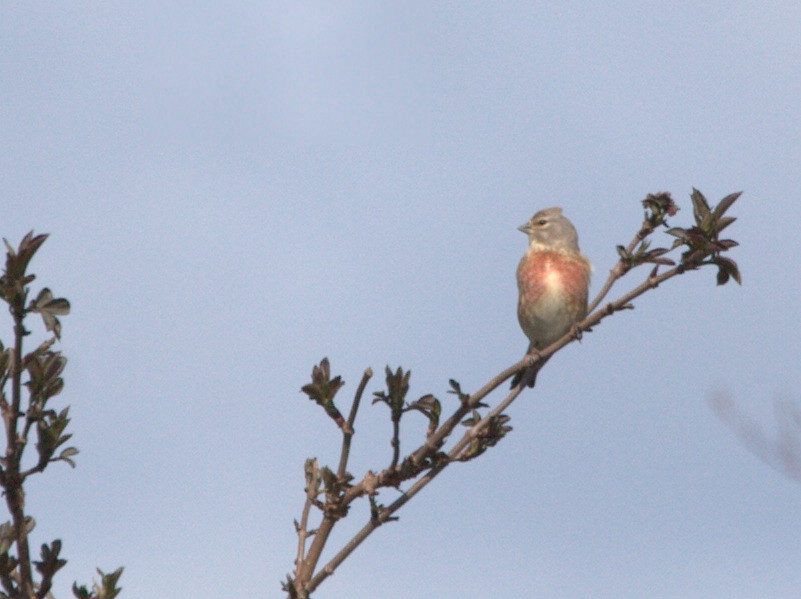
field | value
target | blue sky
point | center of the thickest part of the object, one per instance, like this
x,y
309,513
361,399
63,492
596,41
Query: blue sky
x,y
235,191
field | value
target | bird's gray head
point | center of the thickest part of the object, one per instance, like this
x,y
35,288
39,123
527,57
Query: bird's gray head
x,y
551,231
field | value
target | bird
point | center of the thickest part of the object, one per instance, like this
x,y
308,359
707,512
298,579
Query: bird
x,y
553,280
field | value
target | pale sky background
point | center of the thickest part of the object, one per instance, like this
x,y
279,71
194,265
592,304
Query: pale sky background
x,y
237,190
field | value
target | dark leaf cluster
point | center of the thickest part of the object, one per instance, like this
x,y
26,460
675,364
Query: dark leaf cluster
x,y
42,370
395,395
50,432
642,255
431,408
8,566
658,206
703,241
49,565
493,431
8,563
14,279
49,307
322,390
106,589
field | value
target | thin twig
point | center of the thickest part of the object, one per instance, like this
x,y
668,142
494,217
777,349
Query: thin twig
x,y
427,449
386,513
433,442
303,532
618,270
395,443
425,463
15,497
316,548
305,566
347,433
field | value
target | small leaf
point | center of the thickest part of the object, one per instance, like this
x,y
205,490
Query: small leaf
x,y
45,301
322,390
725,204
700,206
725,222
397,387
430,407
48,307
51,323
67,454
107,589
727,268
678,232
31,243
722,276
456,389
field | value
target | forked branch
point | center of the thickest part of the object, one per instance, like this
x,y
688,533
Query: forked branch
x,y
701,246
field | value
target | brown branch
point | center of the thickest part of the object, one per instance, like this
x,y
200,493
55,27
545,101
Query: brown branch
x,y
15,496
619,269
347,432
429,448
385,514
303,532
428,460
395,443
434,441
305,565
302,587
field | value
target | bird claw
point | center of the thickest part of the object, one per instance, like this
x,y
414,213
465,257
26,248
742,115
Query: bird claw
x,y
576,332
525,377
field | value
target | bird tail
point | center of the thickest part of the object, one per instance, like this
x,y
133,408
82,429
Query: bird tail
x,y
529,375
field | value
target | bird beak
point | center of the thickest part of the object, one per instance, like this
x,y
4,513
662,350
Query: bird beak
x,y
525,228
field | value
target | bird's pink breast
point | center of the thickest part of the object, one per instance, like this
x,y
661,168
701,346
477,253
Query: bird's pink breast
x,y
553,294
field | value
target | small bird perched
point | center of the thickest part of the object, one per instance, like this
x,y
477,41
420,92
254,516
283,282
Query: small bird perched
x,y
553,278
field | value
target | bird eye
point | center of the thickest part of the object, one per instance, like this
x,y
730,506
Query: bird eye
x,y
542,222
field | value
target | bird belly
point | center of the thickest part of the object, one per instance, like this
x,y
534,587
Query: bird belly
x,y
547,308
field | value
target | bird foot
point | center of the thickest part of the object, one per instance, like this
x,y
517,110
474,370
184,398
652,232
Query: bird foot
x,y
528,375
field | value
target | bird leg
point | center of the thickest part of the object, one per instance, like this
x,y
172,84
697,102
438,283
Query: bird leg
x,y
529,374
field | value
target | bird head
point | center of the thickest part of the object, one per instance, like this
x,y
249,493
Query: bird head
x,y
548,229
